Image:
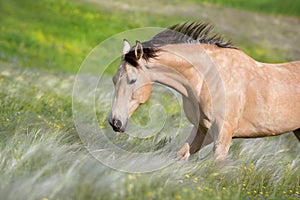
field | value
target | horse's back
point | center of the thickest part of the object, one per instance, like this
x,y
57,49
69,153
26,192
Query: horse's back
x,y
291,66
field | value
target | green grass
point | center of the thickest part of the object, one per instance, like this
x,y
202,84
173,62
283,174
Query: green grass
x,y
53,34
287,7
58,35
43,157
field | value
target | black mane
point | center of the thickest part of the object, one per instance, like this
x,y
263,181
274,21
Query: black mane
x,y
189,32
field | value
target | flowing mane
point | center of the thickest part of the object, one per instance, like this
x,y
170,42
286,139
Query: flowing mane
x,y
189,32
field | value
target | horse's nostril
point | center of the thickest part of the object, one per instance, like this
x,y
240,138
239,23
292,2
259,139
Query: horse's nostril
x,y
117,123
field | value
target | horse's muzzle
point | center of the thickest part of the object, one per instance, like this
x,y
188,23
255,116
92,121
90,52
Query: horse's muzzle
x,y
116,124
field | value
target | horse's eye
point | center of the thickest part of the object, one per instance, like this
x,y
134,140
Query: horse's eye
x,y
132,81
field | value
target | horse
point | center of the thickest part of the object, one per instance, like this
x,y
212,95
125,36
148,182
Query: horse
x,y
226,94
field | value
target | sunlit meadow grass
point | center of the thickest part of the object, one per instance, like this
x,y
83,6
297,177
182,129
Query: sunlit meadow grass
x,y
43,157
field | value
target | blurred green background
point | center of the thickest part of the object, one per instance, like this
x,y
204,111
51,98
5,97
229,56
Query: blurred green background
x,y
59,34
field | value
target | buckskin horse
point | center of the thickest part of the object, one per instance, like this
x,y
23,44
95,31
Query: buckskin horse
x,y
226,94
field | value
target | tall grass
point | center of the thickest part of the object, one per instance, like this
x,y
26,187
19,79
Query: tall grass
x,y
43,157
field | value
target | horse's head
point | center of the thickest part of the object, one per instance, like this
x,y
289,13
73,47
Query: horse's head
x,y
132,86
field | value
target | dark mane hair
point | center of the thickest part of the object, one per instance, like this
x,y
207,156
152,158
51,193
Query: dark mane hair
x,y
189,32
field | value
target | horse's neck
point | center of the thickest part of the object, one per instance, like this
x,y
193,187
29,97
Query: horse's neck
x,y
187,64
173,69
172,78
184,67
181,73
169,76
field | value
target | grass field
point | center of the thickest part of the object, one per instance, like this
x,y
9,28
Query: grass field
x,y
42,45
58,35
43,157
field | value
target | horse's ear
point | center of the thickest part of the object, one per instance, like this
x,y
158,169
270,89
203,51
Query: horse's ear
x,y
138,51
126,47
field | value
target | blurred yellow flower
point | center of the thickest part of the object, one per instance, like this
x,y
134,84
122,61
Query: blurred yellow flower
x,y
178,197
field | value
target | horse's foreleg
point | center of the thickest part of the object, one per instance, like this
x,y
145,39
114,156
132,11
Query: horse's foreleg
x,y
184,152
222,143
297,133
201,139
197,139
